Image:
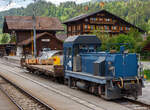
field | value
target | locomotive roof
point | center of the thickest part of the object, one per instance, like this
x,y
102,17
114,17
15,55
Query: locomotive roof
x,y
83,39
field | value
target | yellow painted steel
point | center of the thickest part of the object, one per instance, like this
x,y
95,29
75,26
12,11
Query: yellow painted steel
x,y
51,61
46,62
137,80
57,60
31,61
121,85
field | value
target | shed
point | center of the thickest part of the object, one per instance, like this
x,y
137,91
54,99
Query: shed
x,y
43,40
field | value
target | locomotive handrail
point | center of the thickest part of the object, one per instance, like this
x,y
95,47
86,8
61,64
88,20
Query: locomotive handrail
x,y
122,83
120,44
137,80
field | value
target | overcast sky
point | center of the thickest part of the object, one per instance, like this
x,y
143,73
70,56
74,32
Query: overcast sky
x,y
8,4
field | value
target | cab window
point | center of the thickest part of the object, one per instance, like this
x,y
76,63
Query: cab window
x,y
69,51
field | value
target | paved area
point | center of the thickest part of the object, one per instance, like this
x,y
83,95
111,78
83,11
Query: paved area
x,y
146,94
146,65
5,103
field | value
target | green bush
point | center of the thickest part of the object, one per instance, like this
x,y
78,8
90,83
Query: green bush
x,y
133,40
147,74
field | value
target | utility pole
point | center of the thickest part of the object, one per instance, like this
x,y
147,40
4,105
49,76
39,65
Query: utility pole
x,y
34,29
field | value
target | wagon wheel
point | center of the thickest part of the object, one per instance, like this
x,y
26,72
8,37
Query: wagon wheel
x,y
37,72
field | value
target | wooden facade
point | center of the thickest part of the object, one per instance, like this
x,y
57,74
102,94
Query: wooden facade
x,y
103,21
44,40
22,36
22,28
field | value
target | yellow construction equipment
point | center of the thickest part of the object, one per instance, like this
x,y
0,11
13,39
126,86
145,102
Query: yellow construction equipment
x,y
57,60
31,61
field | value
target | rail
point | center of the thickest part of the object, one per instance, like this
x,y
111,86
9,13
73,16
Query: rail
x,y
27,93
133,104
12,100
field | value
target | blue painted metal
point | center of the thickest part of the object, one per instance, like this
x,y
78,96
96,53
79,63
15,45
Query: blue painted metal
x,y
122,48
85,77
116,64
126,65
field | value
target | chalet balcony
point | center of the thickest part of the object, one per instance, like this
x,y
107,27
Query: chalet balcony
x,y
102,22
106,31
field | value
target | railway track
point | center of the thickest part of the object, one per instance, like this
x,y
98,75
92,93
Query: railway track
x,y
11,99
21,98
129,103
133,104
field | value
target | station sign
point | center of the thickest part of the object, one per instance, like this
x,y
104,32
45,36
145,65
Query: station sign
x,y
45,40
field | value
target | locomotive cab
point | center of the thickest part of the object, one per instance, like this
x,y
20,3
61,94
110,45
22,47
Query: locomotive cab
x,y
75,46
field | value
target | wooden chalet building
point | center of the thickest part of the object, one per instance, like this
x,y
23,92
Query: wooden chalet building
x,y
102,20
22,28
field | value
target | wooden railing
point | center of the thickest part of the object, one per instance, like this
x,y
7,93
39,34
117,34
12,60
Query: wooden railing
x,y
102,22
118,31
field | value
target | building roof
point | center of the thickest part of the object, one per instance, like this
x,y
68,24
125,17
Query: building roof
x,y
29,40
61,36
80,17
26,23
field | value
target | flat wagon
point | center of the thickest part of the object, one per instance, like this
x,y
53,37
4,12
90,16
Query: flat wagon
x,y
55,71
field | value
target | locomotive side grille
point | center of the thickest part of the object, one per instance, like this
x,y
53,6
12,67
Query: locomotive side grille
x,y
99,66
77,63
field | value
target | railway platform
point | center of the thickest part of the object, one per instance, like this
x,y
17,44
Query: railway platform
x,y
145,96
13,59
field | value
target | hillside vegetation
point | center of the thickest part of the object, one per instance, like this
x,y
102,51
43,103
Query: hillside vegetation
x,y
136,12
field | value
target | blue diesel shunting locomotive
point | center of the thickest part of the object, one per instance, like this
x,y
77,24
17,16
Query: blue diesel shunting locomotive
x,y
110,75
